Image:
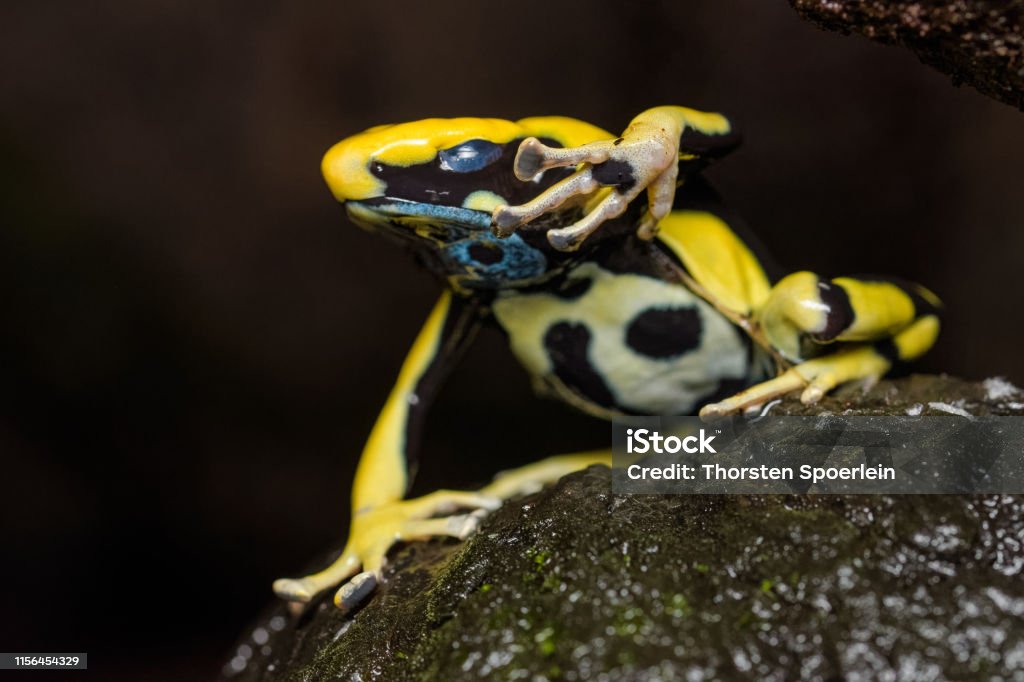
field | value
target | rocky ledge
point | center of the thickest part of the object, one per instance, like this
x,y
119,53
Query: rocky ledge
x,y
575,583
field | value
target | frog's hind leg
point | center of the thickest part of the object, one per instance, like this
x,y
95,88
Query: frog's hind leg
x,y
877,322
532,477
812,377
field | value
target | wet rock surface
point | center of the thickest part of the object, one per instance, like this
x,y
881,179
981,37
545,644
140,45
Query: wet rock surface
x,y
574,583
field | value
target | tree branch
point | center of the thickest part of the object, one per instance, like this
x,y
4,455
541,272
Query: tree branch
x,y
979,42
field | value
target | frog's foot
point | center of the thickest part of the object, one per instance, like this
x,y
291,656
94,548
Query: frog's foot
x,y
532,477
644,158
375,531
815,378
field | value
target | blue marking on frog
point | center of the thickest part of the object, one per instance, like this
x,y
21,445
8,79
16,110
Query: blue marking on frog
x,y
488,262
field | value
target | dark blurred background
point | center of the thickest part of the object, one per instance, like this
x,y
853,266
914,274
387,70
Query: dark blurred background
x,y
194,341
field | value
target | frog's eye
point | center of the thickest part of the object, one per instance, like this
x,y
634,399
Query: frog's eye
x,y
469,157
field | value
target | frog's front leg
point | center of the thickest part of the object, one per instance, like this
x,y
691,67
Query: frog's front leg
x,y
380,517
876,323
376,530
645,157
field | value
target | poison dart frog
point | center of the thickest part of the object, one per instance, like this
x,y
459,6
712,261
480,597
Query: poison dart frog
x,y
623,283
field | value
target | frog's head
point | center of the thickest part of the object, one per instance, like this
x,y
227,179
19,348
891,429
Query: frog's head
x,y
434,184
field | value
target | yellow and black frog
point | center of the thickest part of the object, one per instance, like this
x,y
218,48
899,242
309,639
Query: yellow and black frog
x,y
622,282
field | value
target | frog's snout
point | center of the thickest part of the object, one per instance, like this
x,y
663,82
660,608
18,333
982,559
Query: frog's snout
x,y
346,169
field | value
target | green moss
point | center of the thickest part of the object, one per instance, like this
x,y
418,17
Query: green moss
x,y
545,640
540,558
680,606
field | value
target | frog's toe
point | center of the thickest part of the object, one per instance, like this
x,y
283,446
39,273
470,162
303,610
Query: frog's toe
x,y
362,585
534,157
813,394
441,502
570,238
376,530
531,159
356,590
506,219
459,526
303,590
626,167
294,589
814,378
755,395
647,228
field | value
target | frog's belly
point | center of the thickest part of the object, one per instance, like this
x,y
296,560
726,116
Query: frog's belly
x,y
625,342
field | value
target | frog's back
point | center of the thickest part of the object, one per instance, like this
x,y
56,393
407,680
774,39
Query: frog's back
x,y
619,337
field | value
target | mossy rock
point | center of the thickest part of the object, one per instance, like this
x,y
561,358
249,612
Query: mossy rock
x,y
575,583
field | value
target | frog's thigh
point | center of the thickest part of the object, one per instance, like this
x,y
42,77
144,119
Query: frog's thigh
x,y
841,309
